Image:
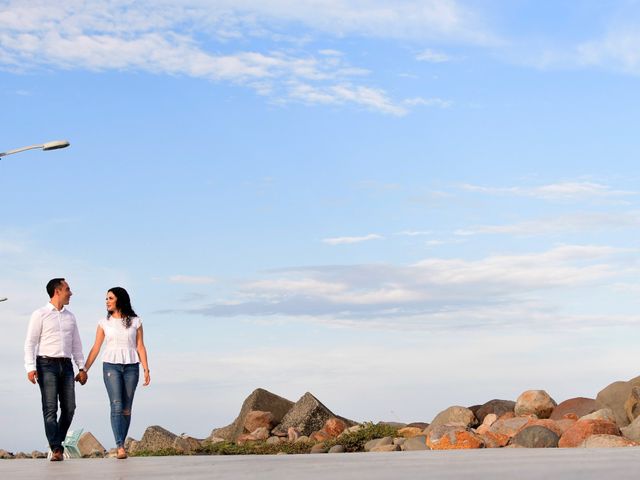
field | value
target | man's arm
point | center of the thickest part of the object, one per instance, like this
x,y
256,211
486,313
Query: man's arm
x,y
31,345
76,346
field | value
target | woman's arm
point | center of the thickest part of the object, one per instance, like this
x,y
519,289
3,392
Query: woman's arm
x,y
95,350
142,354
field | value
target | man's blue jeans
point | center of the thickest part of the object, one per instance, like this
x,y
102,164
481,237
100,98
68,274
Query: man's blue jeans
x,y
56,381
121,380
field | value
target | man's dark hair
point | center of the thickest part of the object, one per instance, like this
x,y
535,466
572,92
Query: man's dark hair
x,y
52,285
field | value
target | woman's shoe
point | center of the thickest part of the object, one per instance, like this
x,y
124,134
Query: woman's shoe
x,y
122,454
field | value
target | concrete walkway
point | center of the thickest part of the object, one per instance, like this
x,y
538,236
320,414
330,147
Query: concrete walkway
x,y
519,464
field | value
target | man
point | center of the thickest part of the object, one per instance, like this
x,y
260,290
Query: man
x,y
52,339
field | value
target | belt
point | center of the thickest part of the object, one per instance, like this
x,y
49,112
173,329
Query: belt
x,y
55,359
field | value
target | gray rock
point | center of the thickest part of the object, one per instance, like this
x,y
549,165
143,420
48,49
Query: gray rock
x,y
536,436
156,438
38,454
399,441
632,431
497,406
6,455
386,448
318,448
275,440
308,415
415,443
187,444
453,416
376,442
259,399
607,441
88,443
614,396
337,449
302,438
21,455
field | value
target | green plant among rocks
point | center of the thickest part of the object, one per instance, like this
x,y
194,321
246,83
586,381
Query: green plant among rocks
x,y
255,448
354,441
162,452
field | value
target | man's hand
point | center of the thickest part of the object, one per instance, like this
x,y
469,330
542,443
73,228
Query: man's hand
x,y
82,377
32,376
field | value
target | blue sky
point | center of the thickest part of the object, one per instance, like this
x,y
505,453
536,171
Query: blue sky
x,y
398,206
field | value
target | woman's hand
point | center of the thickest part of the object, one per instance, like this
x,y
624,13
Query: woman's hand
x,y
147,378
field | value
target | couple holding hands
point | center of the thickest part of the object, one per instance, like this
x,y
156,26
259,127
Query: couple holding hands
x,y
53,340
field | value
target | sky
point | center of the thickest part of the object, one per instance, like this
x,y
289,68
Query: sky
x,y
398,206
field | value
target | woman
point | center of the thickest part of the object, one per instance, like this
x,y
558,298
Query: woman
x,y
125,350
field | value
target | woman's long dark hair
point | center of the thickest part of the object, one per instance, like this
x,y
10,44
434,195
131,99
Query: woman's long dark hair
x,y
123,303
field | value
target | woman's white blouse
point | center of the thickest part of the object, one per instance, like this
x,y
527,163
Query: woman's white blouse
x,y
120,342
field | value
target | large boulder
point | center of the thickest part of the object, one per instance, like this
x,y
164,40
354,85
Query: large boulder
x,y
415,443
495,406
88,445
580,406
583,429
455,415
535,436
156,438
307,415
259,419
632,431
186,444
615,396
607,441
508,426
632,405
535,402
262,400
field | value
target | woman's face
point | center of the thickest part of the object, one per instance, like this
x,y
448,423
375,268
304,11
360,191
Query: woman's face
x,y
111,302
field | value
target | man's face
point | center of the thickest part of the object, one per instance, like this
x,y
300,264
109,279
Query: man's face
x,y
64,293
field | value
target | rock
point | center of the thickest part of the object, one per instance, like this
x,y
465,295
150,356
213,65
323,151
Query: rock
x,y
88,444
245,438
293,434
273,440
565,424
421,425
415,443
399,441
337,449
376,442
187,444
260,400
318,448
334,427
132,446
453,437
508,426
6,455
614,396
489,419
38,454
602,414
307,415
320,436
495,406
385,448
536,402
257,418
607,441
580,406
156,438
536,436
21,455
261,433
302,438
453,416
408,432
632,431
583,429
494,440
632,404
212,441
354,429
545,423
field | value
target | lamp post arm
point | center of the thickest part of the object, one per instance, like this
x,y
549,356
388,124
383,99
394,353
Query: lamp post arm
x,y
18,150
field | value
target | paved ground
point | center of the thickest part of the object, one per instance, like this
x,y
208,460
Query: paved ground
x,y
519,464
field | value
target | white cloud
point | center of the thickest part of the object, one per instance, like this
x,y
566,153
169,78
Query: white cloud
x,y
427,102
192,279
555,191
414,233
560,224
350,240
432,56
160,37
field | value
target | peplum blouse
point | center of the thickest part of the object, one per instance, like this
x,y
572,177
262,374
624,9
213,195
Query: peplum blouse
x,y
120,342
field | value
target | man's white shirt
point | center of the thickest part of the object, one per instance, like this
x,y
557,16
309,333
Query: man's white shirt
x,y
52,333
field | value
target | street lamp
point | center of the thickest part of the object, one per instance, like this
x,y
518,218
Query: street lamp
x,y
44,146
